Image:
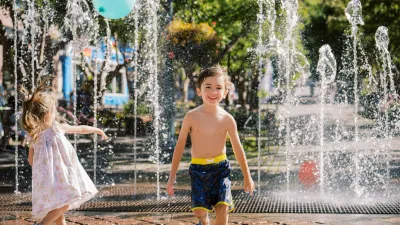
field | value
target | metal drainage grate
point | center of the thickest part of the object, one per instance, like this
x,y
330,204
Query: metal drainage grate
x,y
121,199
269,203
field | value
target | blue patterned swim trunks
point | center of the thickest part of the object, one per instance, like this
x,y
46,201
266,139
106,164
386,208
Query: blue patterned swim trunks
x,y
211,185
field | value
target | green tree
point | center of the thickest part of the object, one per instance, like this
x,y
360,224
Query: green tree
x,y
326,23
234,23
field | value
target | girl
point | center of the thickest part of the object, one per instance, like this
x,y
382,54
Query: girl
x,y
59,182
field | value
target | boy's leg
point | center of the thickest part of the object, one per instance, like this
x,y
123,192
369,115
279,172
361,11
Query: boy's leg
x,y
61,220
202,215
221,212
53,215
200,197
223,194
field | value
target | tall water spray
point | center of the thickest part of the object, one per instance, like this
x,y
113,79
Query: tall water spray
x,y
326,68
260,51
354,16
79,22
273,42
96,105
135,80
30,19
264,49
83,26
15,23
151,72
154,78
292,61
95,100
31,32
290,7
382,44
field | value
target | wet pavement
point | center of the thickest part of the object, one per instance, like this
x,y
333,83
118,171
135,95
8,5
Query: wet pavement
x,y
89,218
143,198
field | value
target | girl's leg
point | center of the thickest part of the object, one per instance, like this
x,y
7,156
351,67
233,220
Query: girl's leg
x,y
221,212
202,215
61,220
53,215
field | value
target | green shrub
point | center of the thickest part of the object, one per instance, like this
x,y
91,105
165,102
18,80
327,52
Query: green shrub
x,y
142,109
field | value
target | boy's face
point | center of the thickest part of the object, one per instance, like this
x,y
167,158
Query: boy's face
x,y
213,90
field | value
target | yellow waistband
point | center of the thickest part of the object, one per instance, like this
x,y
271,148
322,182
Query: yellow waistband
x,y
202,161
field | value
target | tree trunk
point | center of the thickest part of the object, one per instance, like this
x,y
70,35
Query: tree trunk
x,y
242,90
186,83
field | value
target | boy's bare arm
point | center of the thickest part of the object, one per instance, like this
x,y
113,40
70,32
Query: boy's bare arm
x,y
180,147
237,147
240,155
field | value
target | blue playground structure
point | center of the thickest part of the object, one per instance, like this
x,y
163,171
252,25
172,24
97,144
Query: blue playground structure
x,y
117,92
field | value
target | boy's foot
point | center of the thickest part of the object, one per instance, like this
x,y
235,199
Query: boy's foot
x,y
208,222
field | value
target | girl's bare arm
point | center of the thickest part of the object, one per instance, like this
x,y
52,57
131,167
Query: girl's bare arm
x,y
82,130
30,156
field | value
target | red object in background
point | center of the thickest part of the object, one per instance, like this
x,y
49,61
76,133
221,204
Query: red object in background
x,y
171,55
308,173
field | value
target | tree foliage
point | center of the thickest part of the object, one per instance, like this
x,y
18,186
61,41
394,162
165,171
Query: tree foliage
x,y
234,22
326,23
192,44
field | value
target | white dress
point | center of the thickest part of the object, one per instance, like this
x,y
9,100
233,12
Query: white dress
x,y
58,179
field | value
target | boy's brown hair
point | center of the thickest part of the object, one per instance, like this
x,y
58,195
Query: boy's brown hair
x,y
216,70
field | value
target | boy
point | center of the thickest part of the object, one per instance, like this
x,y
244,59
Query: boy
x,y
209,126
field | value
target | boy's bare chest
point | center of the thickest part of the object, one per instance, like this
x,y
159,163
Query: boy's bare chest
x,y
209,127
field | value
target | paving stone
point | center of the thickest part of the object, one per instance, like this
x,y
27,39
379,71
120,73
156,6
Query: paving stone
x,y
126,222
16,222
7,217
109,218
393,220
86,220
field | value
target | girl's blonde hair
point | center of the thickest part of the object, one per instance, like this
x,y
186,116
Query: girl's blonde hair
x,y
35,107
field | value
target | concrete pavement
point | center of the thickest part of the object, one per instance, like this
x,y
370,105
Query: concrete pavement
x,y
100,218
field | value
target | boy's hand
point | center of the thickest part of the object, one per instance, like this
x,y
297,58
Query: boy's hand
x,y
249,186
103,135
170,187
